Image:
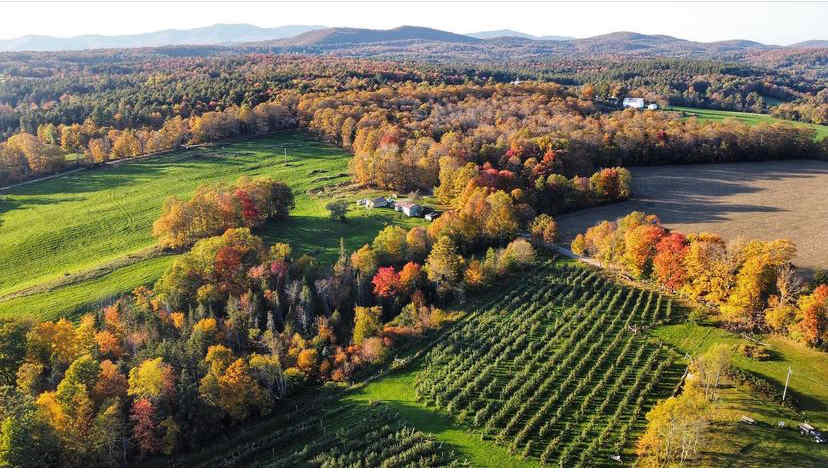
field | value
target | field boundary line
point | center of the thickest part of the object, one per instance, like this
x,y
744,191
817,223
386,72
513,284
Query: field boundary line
x,y
92,273
143,156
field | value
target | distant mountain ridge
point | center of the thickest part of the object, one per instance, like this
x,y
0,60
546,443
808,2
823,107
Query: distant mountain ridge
x,y
426,44
337,37
214,34
411,42
811,44
484,35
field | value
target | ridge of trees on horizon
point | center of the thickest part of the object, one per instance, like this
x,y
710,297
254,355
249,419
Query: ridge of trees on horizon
x,y
400,133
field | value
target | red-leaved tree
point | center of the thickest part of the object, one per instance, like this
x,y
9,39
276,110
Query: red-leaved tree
x,y
386,282
145,430
668,263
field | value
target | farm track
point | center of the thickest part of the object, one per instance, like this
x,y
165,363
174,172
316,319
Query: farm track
x,y
90,274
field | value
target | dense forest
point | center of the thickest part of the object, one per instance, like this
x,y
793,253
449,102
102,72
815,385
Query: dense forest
x,y
144,87
404,118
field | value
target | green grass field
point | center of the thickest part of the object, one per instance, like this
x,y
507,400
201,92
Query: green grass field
x,y
75,299
734,444
749,118
809,381
61,229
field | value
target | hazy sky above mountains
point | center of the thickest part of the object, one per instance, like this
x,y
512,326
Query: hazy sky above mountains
x,y
770,22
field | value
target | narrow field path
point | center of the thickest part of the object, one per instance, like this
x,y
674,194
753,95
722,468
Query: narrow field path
x,y
89,274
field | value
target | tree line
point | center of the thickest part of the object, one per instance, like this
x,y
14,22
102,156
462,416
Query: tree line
x,y
401,132
752,283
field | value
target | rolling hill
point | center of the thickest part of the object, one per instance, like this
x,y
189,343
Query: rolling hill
x,y
215,34
341,37
413,41
436,45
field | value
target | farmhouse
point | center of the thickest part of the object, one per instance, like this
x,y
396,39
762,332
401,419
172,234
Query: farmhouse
x,y
633,103
410,209
376,202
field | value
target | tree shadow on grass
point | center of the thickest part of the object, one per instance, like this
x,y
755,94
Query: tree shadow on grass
x,y
320,236
241,154
458,437
804,402
763,445
108,177
8,204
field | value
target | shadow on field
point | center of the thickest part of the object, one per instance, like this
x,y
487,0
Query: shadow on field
x,y
754,451
300,146
425,420
767,200
109,177
319,236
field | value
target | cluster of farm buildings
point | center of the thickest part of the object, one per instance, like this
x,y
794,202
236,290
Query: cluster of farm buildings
x,y
409,208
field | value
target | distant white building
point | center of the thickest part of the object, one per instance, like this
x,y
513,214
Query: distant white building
x,y
633,103
652,107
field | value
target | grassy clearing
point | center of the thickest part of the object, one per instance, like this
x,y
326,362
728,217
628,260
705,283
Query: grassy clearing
x,y
731,443
57,229
749,118
86,219
734,444
809,381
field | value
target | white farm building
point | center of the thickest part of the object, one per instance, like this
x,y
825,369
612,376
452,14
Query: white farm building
x,y
633,103
376,202
410,209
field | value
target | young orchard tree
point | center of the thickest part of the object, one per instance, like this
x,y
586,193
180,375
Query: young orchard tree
x,y
338,209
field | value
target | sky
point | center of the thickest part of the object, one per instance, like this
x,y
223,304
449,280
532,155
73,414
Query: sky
x,y
772,22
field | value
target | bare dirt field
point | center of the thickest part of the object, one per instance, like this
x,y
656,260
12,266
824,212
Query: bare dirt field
x,y
757,200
